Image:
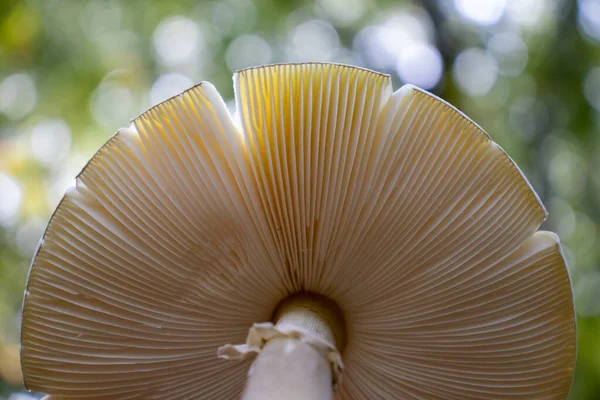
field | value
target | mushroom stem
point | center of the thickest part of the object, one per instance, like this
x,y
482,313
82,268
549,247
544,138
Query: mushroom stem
x,y
315,314
299,365
298,358
289,369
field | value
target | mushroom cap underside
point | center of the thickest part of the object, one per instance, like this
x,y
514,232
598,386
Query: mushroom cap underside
x,y
186,228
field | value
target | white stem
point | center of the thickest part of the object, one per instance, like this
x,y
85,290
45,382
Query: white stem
x,y
298,357
289,369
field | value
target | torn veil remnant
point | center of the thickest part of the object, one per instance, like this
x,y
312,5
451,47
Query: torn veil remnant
x,y
376,245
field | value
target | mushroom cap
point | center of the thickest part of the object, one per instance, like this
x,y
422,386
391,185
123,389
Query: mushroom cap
x,y
185,229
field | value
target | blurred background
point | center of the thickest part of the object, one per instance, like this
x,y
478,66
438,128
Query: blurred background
x,y
73,72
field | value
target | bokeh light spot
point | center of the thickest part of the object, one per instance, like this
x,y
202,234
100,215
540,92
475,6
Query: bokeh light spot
x,y
526,12
51,141
588,18
178,40
510,52
10,199
475,71
420,65
382,44
169,85
314,40
112,104
18,95
567,173
247,51
483,12
343,12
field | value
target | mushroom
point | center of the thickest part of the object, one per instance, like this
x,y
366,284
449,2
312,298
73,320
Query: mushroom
x,y
364,243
